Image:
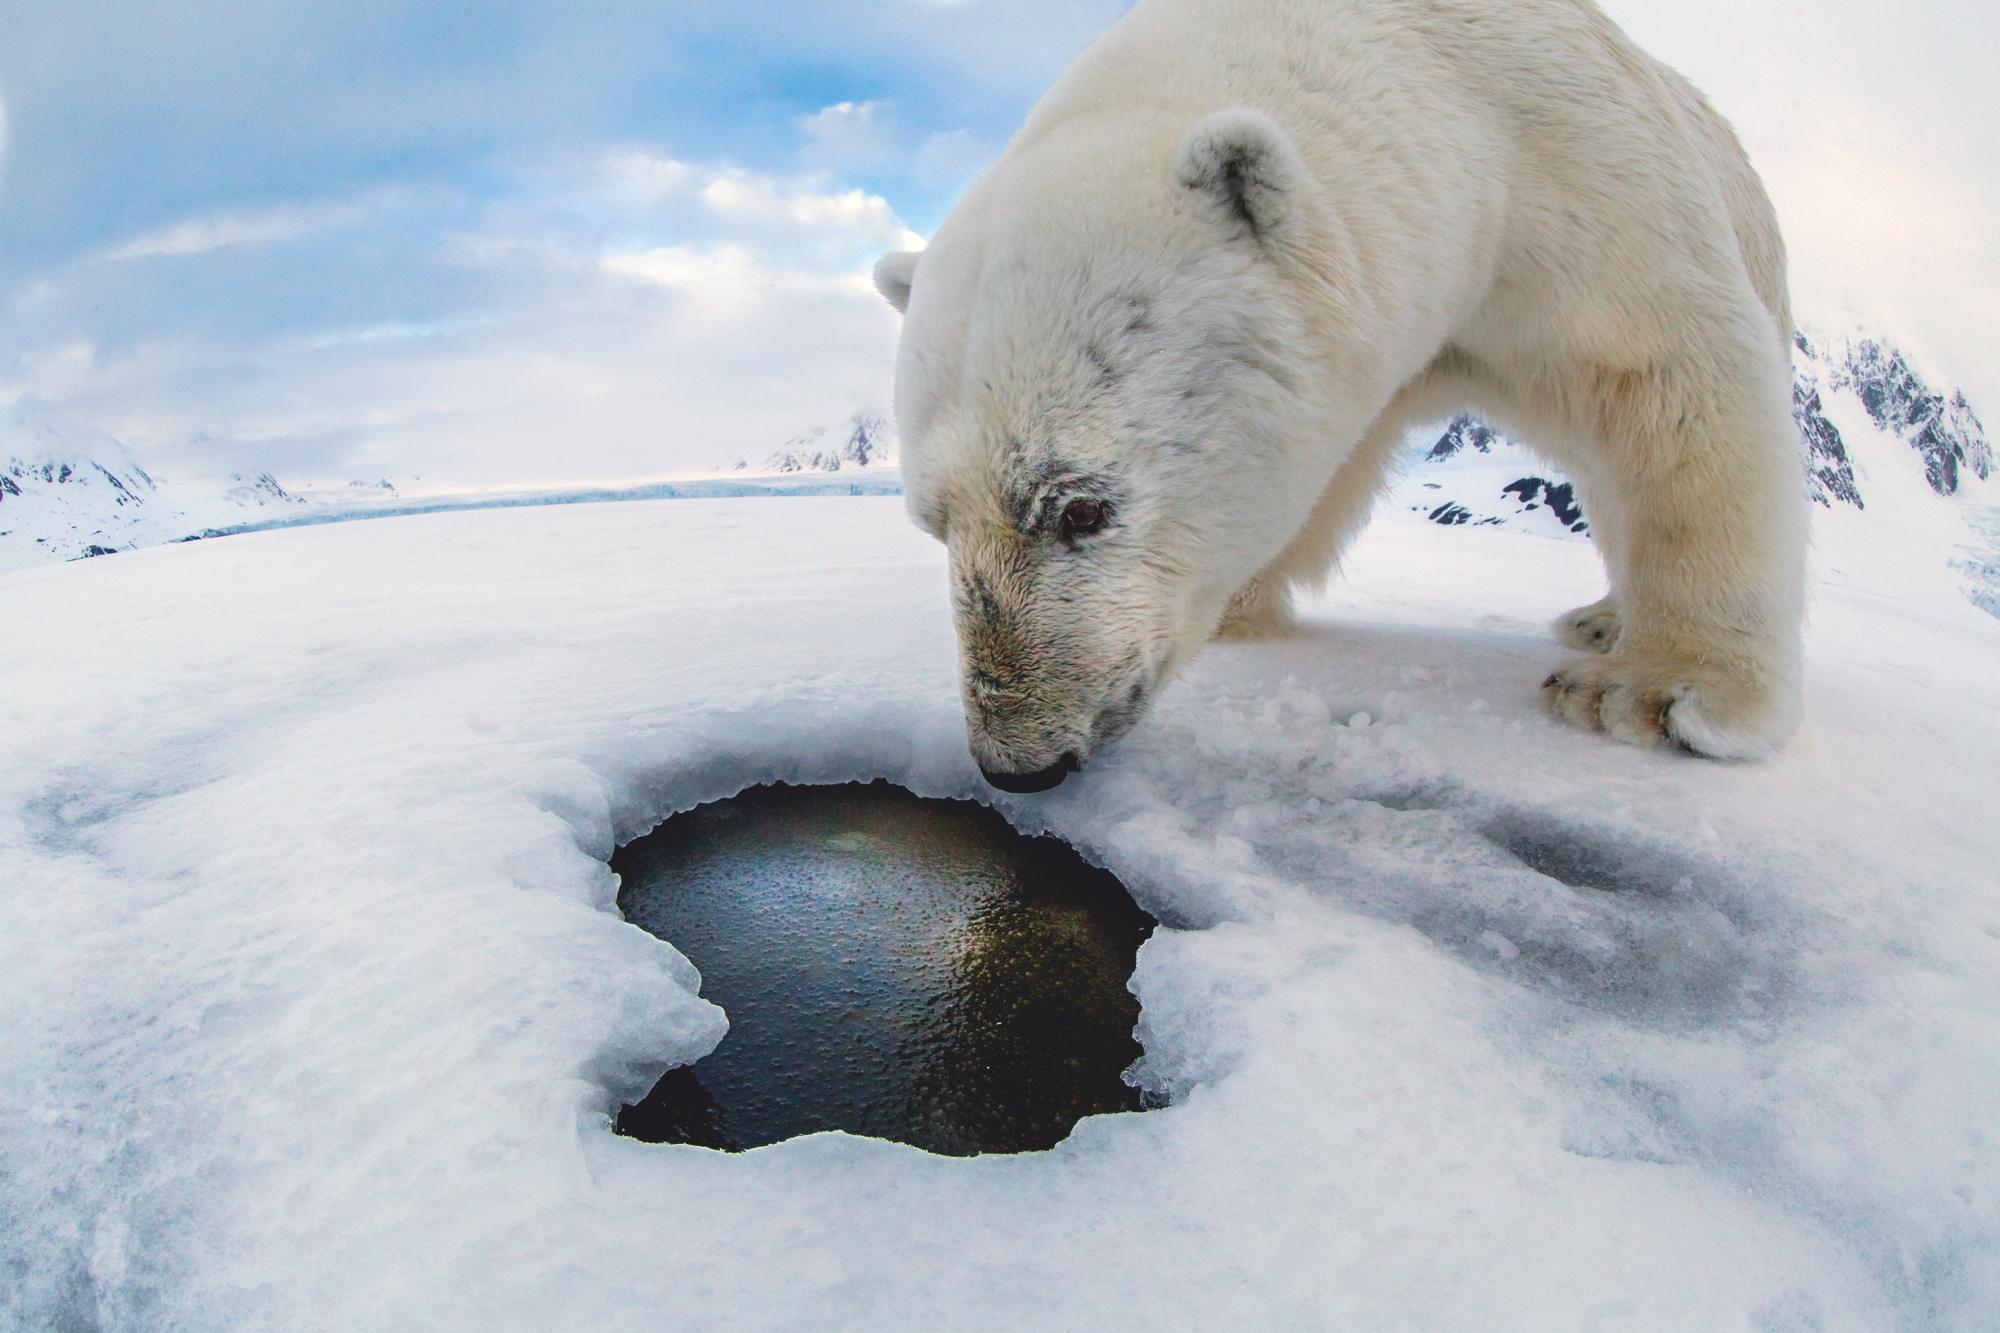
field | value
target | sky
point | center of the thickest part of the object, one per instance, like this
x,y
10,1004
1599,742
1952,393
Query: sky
x,y
535,242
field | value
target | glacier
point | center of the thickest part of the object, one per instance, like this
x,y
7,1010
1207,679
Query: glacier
x,y
69,491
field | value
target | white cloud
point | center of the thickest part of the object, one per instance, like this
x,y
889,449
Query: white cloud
x,y
641,171
951,160
870,137
806,219
55,373
850,135
580,348
385,331
729,281
611,382
749,197
263,226
199,236
688,269
844,124
3,136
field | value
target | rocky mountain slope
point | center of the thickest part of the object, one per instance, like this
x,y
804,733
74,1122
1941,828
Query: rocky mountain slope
x,y
1896,462
1472,474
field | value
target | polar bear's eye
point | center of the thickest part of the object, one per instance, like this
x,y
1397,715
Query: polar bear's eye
x,y
1082,518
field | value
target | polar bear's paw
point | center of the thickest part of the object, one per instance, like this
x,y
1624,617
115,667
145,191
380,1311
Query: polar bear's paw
x,y
1649,700
1591,629
1260,610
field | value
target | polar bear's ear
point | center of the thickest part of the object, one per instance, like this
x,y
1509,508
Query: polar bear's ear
x,y
1248,166
895,273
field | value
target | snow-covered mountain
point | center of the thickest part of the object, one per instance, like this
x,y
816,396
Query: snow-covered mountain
x,y
69,491
1942,429
1883,443
864,440
1472,475
361,495
1877,437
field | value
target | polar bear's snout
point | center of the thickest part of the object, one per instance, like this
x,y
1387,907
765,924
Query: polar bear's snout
x,y
1029,734
1028,728
1048,673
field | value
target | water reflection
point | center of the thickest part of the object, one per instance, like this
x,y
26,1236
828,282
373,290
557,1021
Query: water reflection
x,y
906,969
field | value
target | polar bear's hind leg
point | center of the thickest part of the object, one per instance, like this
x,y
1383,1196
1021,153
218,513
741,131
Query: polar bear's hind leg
x,y
1711,556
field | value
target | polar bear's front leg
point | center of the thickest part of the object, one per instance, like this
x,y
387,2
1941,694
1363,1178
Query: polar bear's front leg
x,y
1700,460
1261,609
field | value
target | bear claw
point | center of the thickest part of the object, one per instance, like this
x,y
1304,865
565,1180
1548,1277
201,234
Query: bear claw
x,y
1650,701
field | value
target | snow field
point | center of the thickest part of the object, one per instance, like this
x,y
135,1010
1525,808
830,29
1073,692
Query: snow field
x,y
314,1002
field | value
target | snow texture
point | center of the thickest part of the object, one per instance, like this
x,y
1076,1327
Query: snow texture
x,y
315,1003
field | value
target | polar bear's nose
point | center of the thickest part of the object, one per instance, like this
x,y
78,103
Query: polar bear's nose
x,y
1027,784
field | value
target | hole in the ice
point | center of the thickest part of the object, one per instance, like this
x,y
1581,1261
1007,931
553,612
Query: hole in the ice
x,y
894,967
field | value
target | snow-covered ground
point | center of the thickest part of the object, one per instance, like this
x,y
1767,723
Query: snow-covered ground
x,y
314,1001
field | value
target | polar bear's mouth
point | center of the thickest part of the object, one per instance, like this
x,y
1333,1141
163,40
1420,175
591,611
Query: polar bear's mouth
x,y
1032,784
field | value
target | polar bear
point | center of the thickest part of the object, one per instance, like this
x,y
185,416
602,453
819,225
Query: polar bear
x,y
1156,362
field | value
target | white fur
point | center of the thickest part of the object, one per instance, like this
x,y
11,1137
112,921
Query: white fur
x,y
894,272
1243,245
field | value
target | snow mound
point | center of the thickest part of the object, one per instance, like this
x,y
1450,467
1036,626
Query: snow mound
x,y
315,1005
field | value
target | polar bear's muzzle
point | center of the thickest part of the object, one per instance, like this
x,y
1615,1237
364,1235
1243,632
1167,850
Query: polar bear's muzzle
x,y
1060,652
1011,769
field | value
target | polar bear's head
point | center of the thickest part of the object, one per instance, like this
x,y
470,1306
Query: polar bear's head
x,y
1105,389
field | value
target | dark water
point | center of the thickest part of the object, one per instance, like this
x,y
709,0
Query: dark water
x,y
895,967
